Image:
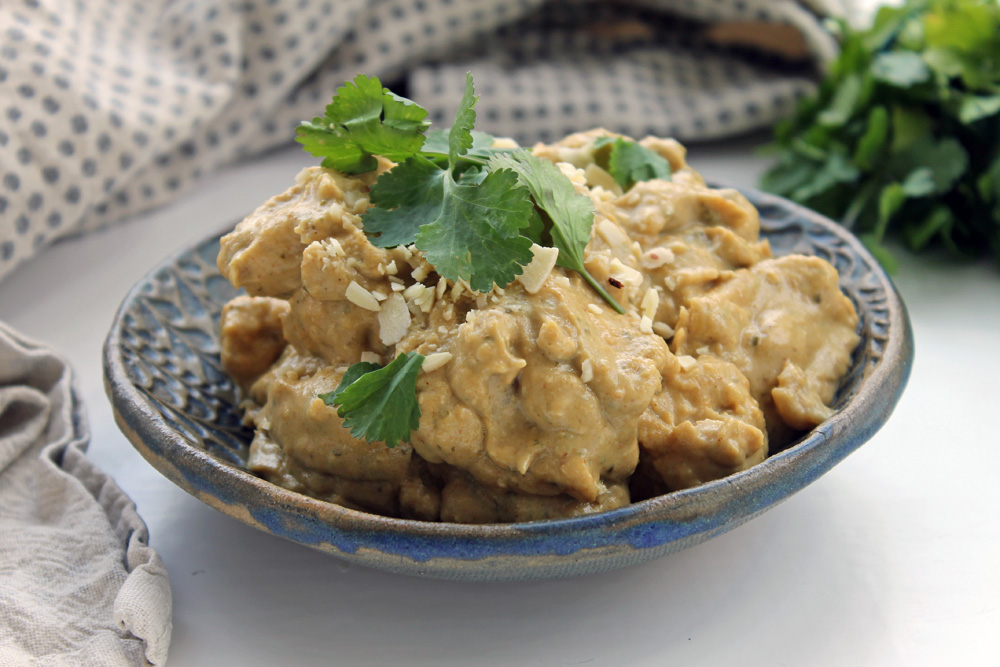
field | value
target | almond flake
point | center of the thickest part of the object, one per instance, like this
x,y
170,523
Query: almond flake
x,y
664,330
587,370
625,274
650,303
393,320
333,247
414,291
371,358
657,257
537,271
362,298
421,272
687,362
432,362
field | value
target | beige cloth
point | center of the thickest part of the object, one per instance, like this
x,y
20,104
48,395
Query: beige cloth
x,y
79,586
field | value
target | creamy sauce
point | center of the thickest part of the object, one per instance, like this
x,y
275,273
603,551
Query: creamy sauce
x,y
544,404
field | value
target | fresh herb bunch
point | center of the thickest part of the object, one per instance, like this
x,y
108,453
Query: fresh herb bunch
x,y
904,133
472,209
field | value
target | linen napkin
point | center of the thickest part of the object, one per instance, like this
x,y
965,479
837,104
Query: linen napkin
x,y
111,107
79,585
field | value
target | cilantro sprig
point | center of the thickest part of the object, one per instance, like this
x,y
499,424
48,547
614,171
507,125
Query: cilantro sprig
x,y
364,120
629,162
904,134
468,229
379,403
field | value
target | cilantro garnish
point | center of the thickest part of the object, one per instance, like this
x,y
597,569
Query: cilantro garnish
x,y
364,120
567,215
379,403
902,135
629,162
467,230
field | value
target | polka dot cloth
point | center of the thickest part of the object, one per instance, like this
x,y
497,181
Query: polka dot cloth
x,y
111,107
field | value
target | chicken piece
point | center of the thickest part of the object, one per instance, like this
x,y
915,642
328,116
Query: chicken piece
x,y
263,254
782,317
311,432
542,395
337,331
704,425
250,336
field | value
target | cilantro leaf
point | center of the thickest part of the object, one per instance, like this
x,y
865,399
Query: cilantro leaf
x,y
629,162
467,223
974,108
902,134
482,144
351,375
946,160
460,136
379,403
476,236
409,195
570,215
901,69
874,138
363,120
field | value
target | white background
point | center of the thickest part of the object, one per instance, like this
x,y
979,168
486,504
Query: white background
x,y
892,558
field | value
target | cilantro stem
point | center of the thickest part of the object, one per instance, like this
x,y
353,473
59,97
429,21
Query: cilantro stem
x,y
600,290
470,159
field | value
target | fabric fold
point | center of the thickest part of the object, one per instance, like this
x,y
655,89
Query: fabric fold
x,y
79,584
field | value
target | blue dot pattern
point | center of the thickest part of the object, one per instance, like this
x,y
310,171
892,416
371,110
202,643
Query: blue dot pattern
x,y
112,107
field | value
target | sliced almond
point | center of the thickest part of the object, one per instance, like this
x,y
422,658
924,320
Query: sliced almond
x,y
657,257
650,303
687,362
664,330
393,320
537,271
432,362
362,298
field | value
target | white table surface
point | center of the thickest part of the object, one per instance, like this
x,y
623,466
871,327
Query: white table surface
x,y
892,558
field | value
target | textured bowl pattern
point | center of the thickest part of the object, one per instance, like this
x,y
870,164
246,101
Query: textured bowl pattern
x,y
178,407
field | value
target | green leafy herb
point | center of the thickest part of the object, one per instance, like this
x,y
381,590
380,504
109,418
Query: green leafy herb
x,y
629,162
904,134
379,403
467,230
364,120
568,215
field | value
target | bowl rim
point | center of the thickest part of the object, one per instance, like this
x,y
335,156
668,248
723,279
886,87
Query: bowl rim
x,y
190,468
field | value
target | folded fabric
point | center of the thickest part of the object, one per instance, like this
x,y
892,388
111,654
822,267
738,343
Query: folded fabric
x,y
79,585
110,107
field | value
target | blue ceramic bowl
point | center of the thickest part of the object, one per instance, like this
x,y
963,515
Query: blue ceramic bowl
x,y
181,411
